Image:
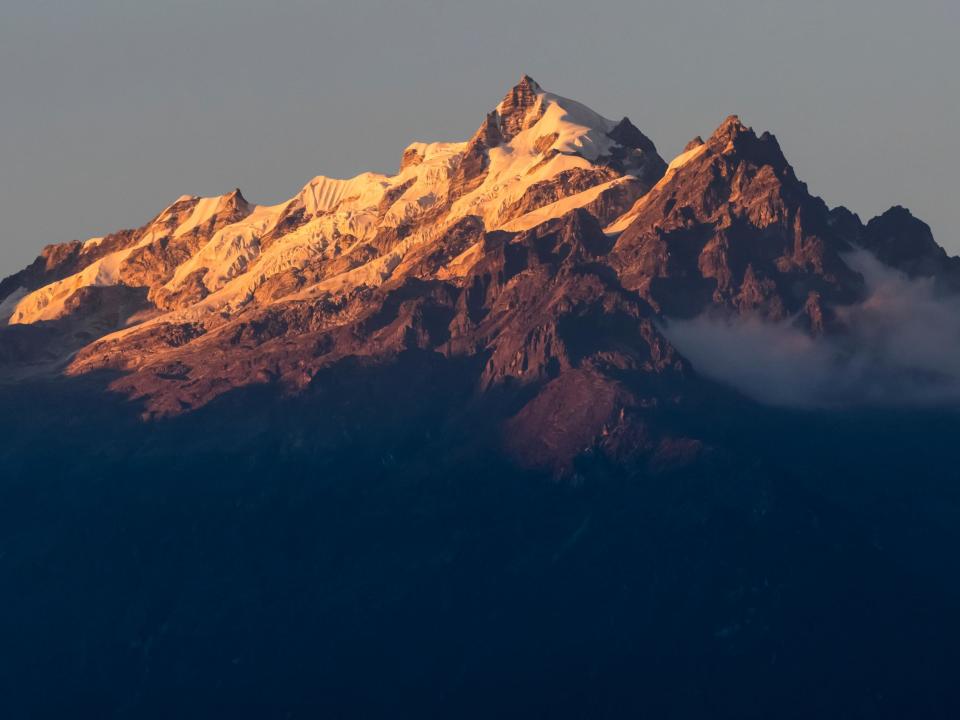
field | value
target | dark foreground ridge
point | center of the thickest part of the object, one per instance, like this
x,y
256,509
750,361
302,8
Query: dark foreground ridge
x,y
271,558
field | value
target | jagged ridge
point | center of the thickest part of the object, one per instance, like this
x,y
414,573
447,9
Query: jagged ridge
x,y
546,248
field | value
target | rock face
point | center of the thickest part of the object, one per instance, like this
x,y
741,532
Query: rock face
x,y
540,306
520,109
903,242
541,256
730,225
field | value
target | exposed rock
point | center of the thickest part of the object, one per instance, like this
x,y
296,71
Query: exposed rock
x,y
411,158
564,184
734,227
520,109
475,160
900,240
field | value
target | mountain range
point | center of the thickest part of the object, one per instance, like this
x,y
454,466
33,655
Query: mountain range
x,y
532,380
550,251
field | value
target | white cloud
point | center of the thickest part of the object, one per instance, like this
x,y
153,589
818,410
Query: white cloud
x,y
901,347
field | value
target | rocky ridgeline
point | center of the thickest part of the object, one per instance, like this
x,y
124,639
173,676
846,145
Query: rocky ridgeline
x,y
542,253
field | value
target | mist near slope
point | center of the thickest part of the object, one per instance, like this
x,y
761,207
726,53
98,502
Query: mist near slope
x,y
901,346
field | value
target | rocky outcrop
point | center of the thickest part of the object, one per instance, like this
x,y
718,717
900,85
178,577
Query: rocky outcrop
x,y
520,109
154,263
564,184
900,240
732,226
635,153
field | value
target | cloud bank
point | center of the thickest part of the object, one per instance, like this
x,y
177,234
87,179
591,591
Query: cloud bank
x,y
901,347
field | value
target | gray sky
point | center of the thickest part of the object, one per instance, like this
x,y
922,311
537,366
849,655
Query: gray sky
x,y
111,109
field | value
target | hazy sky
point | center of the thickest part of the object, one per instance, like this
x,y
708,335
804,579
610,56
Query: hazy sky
x,y
111,109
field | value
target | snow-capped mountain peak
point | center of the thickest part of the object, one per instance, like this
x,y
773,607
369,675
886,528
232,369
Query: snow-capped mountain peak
x,y
536,155
551,229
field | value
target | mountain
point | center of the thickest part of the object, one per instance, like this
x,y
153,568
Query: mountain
x,y
548,251
540,405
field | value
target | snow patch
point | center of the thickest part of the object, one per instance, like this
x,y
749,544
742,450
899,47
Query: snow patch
x,y
624,221
203,211
683,158
559,208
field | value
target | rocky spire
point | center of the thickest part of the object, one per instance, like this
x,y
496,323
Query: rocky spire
x,y
728,131
515,109
234,202
629,135
733,136
514,114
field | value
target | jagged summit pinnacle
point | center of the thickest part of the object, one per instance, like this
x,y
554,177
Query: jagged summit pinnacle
x,y
730,128
528,82
517,105
235,199
629,135
526,79
734,136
